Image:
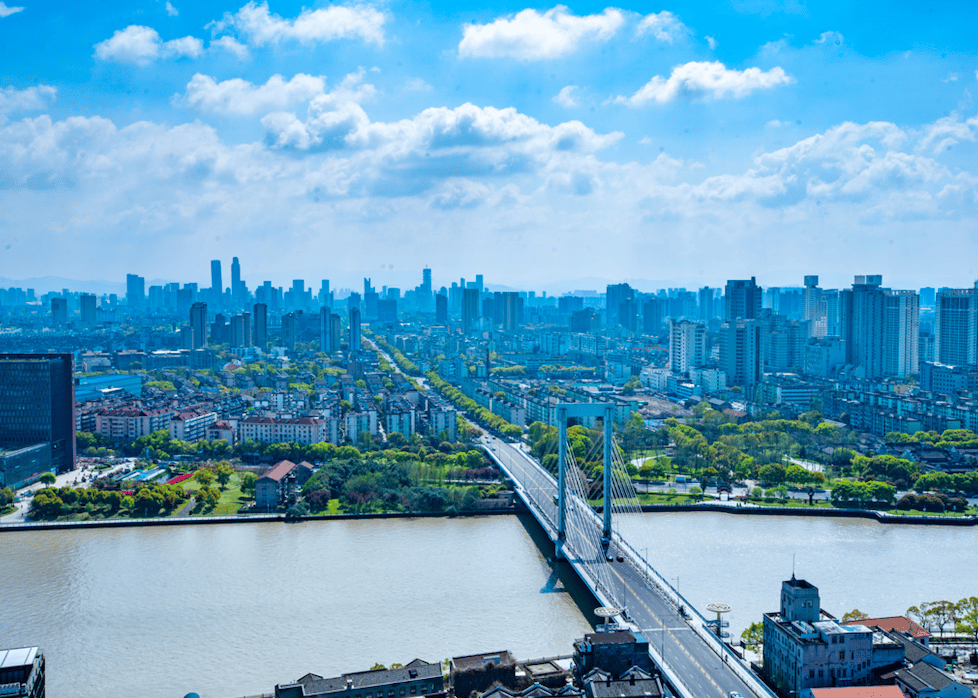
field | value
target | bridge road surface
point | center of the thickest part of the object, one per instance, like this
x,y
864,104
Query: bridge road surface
x,y
703,672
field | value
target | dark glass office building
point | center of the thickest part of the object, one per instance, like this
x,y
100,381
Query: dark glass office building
x,y
37,404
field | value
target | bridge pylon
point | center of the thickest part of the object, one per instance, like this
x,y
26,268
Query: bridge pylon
x,y
588,409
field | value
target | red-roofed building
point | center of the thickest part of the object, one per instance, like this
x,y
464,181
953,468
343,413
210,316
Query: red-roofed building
x,y
278,484
900,624
853,692
221,430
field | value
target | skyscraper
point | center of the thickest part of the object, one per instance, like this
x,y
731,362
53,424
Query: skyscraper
x,y
135,290
355,340
217,285
742,299
37,404
740,352
651,316
441,309
707,311
687,345
956,327
289,331
470,309
236,281
880,328
87,308
59,312
325,333
814,310
198,324
901,337
261,324
614,297
512,310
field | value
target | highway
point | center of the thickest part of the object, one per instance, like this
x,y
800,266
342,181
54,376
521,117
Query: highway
x,y
702,671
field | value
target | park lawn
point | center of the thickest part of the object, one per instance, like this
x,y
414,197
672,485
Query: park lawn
x,y
232,499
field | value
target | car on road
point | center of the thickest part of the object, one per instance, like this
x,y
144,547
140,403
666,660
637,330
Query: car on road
x,y
735,694
620,558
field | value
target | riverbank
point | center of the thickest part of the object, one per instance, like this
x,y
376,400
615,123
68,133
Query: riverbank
x,y
242,518
881,517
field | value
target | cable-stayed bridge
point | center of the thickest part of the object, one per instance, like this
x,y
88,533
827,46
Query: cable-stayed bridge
x,y
682,644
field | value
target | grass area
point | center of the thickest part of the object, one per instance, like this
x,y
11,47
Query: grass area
x,y
8,510
232,499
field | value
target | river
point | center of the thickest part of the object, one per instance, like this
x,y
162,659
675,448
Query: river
x,y
231,610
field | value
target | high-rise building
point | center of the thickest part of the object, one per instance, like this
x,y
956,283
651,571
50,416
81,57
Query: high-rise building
x,y
616,295
86,304
862,320
37,404
325,331
651,316
238,331
928,297
687,345
155,297
740,352
59,312
387,311
217,284
956,327
470,309
706,310
325,297
901,337
198,324
742,299
335,331
290,330
355,340
814,310
512,309
236,289
441,309
261,324
423,295
135,290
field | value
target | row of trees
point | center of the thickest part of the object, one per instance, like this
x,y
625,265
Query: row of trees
x,y
147,500
937,616
849,492
403,362
959,438
493,421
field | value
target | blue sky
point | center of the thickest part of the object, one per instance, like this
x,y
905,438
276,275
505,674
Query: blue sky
x,y
540,145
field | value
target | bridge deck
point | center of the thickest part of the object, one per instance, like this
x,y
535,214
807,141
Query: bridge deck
x,y
691,658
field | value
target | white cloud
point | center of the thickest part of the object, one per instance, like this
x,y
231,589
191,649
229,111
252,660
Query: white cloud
x,y
709,80
142,45
240,97
664,26
566,98
231,45
258,26
951,77
775,123
417,85
946,132
171,10
7,11
712,42
531,35
30,99
830,37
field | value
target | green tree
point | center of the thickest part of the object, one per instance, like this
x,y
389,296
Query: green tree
x,y
248,483
968,616
753,635
853,615
48,479
205,476
772,473
224,473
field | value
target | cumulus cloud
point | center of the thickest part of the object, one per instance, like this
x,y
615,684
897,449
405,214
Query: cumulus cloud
x,y
231,45
417,85
30,99
533,36
708,80
664,26
7,11
142,45
240,97
171,10
258,26
566,98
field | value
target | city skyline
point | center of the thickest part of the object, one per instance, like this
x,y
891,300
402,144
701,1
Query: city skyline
x,y
559,143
